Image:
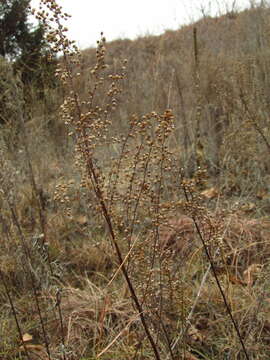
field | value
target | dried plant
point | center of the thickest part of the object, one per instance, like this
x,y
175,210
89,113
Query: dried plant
x,y
124,239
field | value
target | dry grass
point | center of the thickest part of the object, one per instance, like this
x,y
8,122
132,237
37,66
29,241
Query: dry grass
x,y
107,224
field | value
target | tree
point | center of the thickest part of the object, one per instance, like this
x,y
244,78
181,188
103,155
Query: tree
x,y
14,28
25,45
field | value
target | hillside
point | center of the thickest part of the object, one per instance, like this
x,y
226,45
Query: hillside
x,y
230,92
135,199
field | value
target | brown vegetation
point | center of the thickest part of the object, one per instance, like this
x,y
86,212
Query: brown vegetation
x,y
135,198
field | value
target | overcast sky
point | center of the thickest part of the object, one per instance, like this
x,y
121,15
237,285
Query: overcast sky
x,y
133,18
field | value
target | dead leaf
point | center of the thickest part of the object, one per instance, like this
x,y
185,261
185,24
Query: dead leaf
x,y
210,193
236,280
32,347
189,356
37,352
27,337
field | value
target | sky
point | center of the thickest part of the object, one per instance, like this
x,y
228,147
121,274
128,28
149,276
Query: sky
x,y
134,18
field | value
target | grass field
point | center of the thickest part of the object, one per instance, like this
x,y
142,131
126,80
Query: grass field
x,y
135,197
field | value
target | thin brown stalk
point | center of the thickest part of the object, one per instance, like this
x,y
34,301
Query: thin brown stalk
x,y
14,313
214,272
254,121
33,281
92,175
